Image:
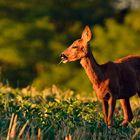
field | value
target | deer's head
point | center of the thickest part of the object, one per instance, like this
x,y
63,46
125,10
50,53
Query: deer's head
x,y
79,48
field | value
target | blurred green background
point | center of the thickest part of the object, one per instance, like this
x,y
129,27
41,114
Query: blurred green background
x,y
33,33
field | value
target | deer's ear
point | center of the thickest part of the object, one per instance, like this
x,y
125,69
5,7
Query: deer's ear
x,y
87,34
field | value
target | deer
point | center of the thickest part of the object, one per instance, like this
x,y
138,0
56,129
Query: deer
x,y
111,81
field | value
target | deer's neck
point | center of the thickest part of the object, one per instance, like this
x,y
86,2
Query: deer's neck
x,y
93,69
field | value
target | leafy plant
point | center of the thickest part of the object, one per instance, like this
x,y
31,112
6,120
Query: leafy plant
x,y
28,113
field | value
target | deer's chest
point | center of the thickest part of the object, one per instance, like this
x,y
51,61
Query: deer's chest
x,y
102,89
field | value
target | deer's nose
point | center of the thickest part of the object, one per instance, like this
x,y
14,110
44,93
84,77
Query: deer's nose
x,y
63,56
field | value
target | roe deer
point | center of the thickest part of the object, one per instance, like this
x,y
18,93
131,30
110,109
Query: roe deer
x,y
111,81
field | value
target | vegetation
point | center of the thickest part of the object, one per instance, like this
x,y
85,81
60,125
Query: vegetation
x,y
32,36
56,114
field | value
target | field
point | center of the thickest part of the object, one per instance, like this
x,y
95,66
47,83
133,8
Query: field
x,y
29,114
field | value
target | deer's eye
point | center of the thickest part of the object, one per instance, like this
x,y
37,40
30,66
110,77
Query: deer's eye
x,y
75,47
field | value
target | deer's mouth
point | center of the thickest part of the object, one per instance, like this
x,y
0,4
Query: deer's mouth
x,y
64,58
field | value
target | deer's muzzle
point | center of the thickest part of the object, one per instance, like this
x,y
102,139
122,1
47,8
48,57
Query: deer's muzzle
x,y
64,58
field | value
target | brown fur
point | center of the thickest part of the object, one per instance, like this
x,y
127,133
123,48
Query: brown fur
x,y
111,81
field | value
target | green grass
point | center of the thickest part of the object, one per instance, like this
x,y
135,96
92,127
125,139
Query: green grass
x,y
55,114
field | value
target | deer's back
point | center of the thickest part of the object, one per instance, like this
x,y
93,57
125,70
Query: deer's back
x,y
131,60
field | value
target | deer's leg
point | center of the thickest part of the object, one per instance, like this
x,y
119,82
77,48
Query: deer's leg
x,y
105,110
111,105
128,115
